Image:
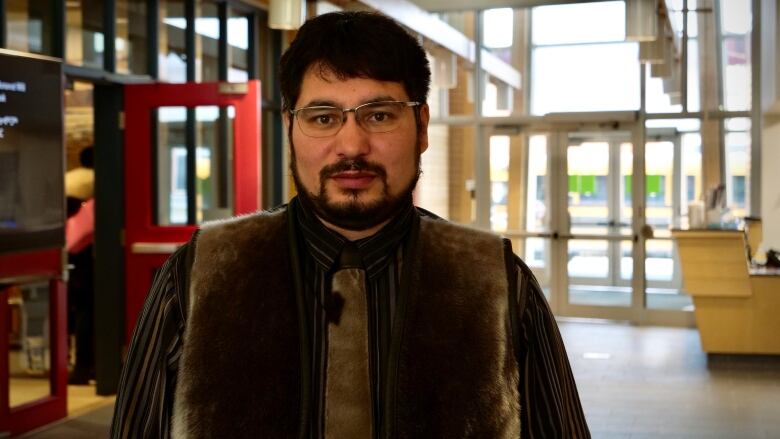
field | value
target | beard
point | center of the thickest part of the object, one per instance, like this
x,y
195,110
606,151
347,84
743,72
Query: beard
x,y
354,214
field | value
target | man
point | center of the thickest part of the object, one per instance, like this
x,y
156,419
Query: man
x,y
348,313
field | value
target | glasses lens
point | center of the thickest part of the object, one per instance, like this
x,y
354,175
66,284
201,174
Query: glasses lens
x,y
319,121
380,117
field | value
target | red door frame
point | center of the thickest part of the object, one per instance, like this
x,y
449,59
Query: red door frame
x,y
43,264
140,230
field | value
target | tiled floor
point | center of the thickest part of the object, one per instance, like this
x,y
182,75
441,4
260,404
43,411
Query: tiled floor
x,y
635,382
647,382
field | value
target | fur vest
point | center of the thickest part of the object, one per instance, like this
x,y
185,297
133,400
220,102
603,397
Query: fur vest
x,y
246,364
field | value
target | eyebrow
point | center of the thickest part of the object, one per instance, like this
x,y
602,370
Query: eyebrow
x,y
329,103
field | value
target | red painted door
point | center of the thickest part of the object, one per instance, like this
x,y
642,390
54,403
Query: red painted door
x,y
192,154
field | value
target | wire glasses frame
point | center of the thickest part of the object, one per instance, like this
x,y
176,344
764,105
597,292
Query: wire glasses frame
x,y
374,117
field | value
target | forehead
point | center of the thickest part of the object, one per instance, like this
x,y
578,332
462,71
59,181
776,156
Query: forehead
x,y
323,86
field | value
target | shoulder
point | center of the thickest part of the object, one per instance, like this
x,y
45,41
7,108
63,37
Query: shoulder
x,y
455,234
256,225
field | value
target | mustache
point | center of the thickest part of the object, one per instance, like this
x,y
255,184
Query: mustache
x,y
358,164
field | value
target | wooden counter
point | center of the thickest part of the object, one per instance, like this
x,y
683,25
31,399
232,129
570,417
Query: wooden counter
x,y
736,311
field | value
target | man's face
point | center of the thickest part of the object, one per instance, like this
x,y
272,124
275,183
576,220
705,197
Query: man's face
x,y
356,179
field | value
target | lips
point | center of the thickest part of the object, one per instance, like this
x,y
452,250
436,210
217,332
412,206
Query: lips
x,y
353,179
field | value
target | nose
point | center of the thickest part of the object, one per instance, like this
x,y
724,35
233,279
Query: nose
x,y
352,140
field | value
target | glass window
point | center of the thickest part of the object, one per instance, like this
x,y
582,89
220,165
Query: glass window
x,y
433,189
85,39
504,43
29,353
131,36
499,183
458,98
213,164
172,59
736,58
207,43
238,48
691,170
583,78
579,23
29,26
578,56
737,170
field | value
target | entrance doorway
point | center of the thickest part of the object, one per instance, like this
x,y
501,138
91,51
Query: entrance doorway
x,y
192,154
591,218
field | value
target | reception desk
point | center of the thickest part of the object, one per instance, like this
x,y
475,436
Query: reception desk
x,y
737,307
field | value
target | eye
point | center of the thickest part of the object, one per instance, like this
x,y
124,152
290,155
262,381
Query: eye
x,y
321,117
379,116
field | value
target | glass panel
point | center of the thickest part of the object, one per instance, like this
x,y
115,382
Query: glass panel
x,y
736,24
691,178
658,98
626,262
536,254
79,124
538,192
591,264
507,42
448,96
172,175
461,98
599,67
238,48
462,186
625,199
172,58
131,36
213,164
588,169
29,360
213,168
29,26
662,270
85,40
588,259
433,189
694,100
738,172
207,43
499,183
659,181
579,23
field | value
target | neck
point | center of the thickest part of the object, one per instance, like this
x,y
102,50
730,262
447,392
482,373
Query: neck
x,y
354,235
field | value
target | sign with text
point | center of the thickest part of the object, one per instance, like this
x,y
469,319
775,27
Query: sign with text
x,y
31,152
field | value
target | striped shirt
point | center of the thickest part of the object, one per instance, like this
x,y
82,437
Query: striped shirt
x,y
550,403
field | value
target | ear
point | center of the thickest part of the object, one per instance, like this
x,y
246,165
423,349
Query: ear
x,y
422,134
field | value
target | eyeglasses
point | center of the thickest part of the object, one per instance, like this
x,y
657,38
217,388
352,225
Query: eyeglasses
x,y
374,117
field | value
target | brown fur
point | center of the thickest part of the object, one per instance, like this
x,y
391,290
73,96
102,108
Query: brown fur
x,y
457,374
240,370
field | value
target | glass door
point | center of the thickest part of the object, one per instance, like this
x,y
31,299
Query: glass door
x,y
567,198
673,179
192,154
521,179
598,218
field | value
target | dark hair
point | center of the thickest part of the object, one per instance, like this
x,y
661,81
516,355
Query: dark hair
x,y
86,158
355,45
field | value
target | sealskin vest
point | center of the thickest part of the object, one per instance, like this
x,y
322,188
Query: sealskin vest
x,y
246,364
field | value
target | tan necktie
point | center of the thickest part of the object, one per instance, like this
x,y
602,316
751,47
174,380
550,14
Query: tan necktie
x,y
347,381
